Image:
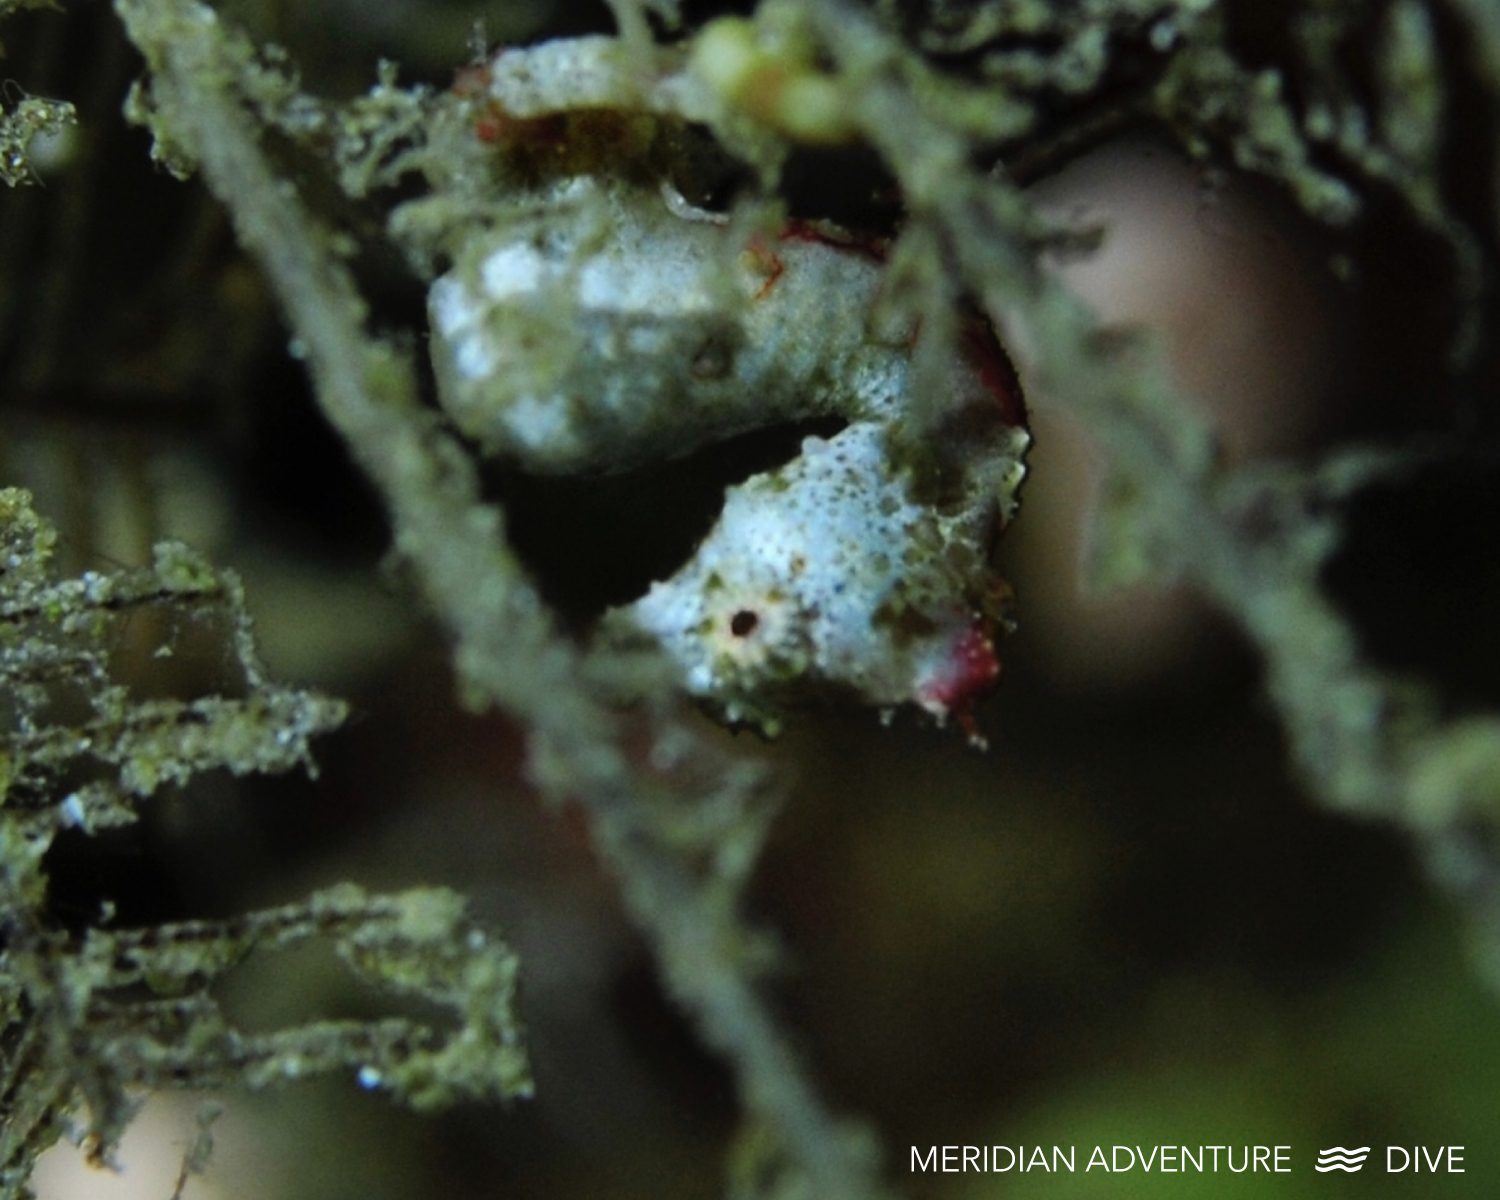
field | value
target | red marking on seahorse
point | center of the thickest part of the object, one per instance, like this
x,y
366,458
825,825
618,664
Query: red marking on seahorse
x,y
982,350
968,673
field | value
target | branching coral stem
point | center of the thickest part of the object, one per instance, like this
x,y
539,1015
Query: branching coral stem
x,y
1256,543
507,652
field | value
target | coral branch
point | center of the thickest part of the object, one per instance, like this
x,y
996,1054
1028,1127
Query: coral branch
x,y
1367,742
86,1021
506,649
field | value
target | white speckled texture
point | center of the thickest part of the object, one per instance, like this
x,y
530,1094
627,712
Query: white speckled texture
x,y
827,572
693,331
605,324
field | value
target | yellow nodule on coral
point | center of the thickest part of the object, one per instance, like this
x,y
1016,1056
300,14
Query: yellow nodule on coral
x,y
783,90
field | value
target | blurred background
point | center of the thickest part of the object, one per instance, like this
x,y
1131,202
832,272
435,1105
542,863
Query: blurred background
x,y
1123,923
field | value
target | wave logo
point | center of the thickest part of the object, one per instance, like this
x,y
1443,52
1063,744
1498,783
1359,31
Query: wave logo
x,y
1337,1158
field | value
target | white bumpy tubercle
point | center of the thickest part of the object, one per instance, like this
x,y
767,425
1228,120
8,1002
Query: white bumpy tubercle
x,y
606,330
827,573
